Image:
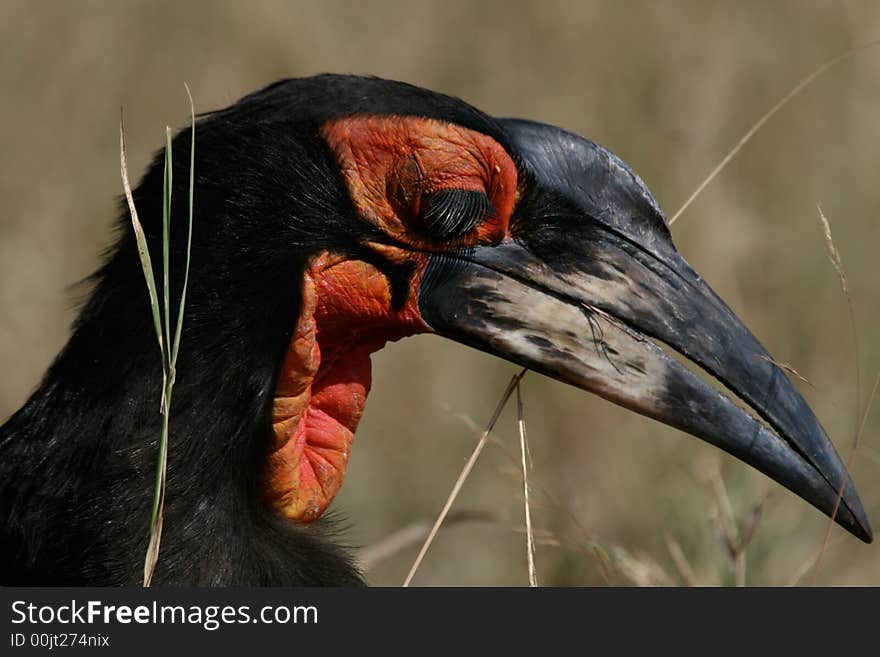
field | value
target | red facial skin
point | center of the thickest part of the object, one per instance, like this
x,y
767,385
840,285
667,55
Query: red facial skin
x,y
388,163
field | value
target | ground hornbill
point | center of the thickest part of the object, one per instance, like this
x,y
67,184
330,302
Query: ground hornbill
x,y
333,214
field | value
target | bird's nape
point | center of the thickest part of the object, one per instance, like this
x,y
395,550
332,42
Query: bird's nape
x,y
335,214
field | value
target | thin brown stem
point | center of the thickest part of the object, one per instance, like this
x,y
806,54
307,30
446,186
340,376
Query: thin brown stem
x,y
462,477
800,86
523,446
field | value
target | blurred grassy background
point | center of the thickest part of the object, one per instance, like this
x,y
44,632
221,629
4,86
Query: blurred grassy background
x,y
669,86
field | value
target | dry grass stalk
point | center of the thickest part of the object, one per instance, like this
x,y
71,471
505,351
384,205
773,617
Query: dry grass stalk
x,y
462,477
681,562
640,569
410,535
736,540
523,445
837,263
787,368
800,86
807,565
585,541
140,237
833,253
849,462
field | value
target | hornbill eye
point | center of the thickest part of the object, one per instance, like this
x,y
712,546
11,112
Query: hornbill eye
x,y
452,213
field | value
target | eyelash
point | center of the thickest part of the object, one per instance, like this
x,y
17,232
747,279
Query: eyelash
x,y
450,213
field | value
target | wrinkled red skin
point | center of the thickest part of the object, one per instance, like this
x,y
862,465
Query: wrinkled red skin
x,y
325,379
387,162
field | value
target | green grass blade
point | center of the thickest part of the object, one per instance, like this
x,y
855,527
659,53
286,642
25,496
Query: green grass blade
x,y
156,515
166,241
169,356
192,169
143,251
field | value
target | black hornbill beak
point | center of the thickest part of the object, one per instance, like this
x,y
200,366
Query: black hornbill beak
x,y
589,280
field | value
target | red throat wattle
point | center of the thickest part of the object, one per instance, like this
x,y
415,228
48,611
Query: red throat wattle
x,y
346,316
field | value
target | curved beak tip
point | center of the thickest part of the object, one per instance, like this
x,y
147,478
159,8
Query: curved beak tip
x,y
860,526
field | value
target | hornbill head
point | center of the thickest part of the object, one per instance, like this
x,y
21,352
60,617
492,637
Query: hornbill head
x,y
537,246
334,214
